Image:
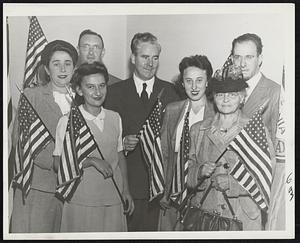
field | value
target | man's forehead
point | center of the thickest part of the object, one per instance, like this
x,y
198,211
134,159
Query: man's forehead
x,y
90,38
148,47
247,45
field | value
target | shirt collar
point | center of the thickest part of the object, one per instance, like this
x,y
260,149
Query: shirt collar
x,y
252,82
91,117
139,84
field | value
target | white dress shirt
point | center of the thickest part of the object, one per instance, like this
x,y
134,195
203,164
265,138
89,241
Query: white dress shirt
x,y
139,85
63,101
252,82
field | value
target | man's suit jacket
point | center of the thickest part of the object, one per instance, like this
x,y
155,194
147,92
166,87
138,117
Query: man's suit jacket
x,y
264,90
124,99
113,79
173,115
42,100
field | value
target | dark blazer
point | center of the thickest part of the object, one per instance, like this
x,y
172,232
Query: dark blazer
x,y
173,115
123,98
265,89
42,100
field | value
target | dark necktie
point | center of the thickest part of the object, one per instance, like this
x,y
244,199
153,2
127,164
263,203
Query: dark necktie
x,y
144,95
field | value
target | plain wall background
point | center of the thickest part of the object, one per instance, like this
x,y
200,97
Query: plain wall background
x,y
179,36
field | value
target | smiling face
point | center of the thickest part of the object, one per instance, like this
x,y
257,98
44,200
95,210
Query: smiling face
x,y
146,60
90,49
228,103
245,55
93,89
60,68
194,82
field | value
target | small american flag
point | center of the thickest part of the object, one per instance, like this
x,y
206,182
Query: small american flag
x,y
33,137
225,69
77,145
179,182
35,44
151,149
254,173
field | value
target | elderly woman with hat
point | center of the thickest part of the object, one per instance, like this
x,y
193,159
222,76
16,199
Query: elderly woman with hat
x,y
209,139
40,211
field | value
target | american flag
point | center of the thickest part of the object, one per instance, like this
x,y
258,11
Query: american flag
x,y
77,145
254,171
33,137
151,149
225,69
179,182
35,44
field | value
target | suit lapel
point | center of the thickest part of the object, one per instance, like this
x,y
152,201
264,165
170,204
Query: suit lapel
x,y
257,97
177,117
49,100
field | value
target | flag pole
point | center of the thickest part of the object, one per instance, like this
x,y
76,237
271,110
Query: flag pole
x,y
98,149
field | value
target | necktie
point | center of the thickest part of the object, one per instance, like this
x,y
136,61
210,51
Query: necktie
x,y
144,95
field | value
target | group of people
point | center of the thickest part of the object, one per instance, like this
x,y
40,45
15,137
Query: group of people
x,y
205,111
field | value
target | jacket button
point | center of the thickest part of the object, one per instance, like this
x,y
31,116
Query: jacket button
x,y
223,206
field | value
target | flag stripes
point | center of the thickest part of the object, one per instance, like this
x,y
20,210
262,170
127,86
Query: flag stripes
x,y
149,137
240,173
254,173
77,145
33,137
35,44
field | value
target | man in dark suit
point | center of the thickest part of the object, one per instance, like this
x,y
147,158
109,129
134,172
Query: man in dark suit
x,y
133,99
247,53
91,49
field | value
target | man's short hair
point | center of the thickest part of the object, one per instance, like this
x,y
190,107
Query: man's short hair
x,y
90,32
142,38
249,37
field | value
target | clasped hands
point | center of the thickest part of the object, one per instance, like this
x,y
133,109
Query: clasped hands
x,y
220,181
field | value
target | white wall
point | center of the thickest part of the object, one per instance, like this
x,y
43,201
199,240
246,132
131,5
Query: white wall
x,y
179,35
210,35
112,29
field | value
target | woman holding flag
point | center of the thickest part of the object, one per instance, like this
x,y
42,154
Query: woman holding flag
x,y
195,74
100,189
35,207
216,140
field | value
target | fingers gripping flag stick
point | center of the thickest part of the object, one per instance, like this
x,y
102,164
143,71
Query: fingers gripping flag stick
x,y
151,149
254,171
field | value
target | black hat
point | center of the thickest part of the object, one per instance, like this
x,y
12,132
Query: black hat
x,y
228,79
58,45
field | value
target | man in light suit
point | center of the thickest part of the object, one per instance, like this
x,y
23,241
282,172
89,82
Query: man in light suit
x,y
133,99
91,49
247,53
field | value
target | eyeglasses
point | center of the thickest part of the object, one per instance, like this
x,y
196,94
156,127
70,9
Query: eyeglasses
x,y
87,47
230,95
238,58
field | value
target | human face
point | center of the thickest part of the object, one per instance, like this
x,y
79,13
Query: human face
x,y
194,82
146,60
228,103
245,55
93,90
60,68
90,49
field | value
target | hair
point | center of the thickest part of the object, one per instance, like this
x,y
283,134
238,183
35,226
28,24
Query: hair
x,y
139,38
199,61
90,32
86,69
249,37
58,45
